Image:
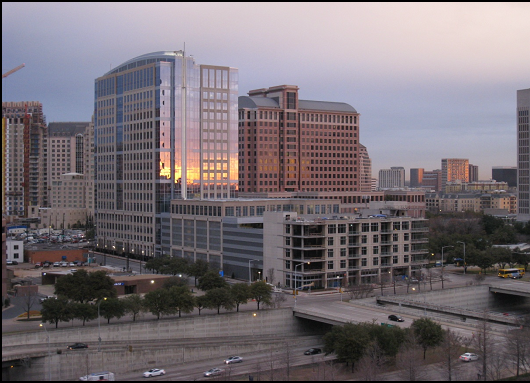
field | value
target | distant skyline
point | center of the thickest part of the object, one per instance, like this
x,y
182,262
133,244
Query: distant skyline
x,y
430,80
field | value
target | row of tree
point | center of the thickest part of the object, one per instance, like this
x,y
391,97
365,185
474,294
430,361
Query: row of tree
x,y
372,349
81,293
480,233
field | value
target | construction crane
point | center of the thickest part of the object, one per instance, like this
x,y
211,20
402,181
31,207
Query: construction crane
x,y
13,70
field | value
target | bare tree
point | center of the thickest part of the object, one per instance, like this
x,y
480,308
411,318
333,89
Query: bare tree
x,y
518,348
479,278
277,300
483,343
372,363
359,291
28,301
410,360
449,350
496,363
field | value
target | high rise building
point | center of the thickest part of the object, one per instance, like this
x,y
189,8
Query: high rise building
x,y
24,143
165,128
392,178
365,169
473,173
66,151
416,177
505,174
288,144
432,180
523,154
454,169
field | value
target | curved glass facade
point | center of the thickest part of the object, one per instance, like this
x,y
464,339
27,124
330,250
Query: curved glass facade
x,y
165,128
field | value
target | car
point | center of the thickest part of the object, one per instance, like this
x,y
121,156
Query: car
x,y
516,276
56,264
64,264
47,297
312,351
154,372
76,346
395,318
11,263
234,359
73,270
214,372
468,357
414,280
71,264
39,264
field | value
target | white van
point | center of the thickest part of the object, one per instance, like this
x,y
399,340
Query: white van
x,y
98,376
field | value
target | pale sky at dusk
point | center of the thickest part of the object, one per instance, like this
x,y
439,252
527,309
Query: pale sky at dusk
x,y
430,80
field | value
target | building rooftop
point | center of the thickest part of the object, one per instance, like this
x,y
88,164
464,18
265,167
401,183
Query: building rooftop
x,y
253,102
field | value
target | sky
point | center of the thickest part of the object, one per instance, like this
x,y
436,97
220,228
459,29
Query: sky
x,y
430,80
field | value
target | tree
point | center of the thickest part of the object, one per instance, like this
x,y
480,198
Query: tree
x,y
211,280
28,301
240,294
197,269
133,304
410,362
219,297
112,308
174,266
372,363
82,286
182,299
56,310
201,302
450,349
518,348
483,343
428,333
83,311
174,281
261,292
158,302
154,264
348,342
270,276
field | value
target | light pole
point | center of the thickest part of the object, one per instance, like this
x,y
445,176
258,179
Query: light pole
x,y
249,274
443,247
463,243
49,355
259,275
99,325
300,264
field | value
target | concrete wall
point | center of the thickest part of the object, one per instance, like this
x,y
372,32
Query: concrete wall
x,y
244,327
470,298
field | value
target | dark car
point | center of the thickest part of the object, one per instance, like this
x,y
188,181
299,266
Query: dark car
x,y
75,346
313,351
396,318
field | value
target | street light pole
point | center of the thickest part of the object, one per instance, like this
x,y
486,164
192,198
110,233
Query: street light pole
x,y
463,243
300,264
49,355
443,247
99,325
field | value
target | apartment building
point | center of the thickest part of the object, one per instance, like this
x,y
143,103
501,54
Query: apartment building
x,y
165,128
275,238
289,144
469,201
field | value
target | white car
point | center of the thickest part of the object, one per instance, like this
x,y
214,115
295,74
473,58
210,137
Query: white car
x,y
234,359
214,371
154,372
468,357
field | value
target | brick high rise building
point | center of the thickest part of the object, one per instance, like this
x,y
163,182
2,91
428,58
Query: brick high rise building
x,y
288,144
24,142
523,154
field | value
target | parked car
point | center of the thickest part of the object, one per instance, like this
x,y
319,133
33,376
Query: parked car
x,y
71,264
234,359
9,263
47,297
154,372
414,280
39,264
396,318
312,351
64,264
76,346
468,357
56,264
46,264
214,372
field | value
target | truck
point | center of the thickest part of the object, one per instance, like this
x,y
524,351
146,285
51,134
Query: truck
x,y
98,376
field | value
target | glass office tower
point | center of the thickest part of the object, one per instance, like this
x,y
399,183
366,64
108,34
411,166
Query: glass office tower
x,y
165,128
